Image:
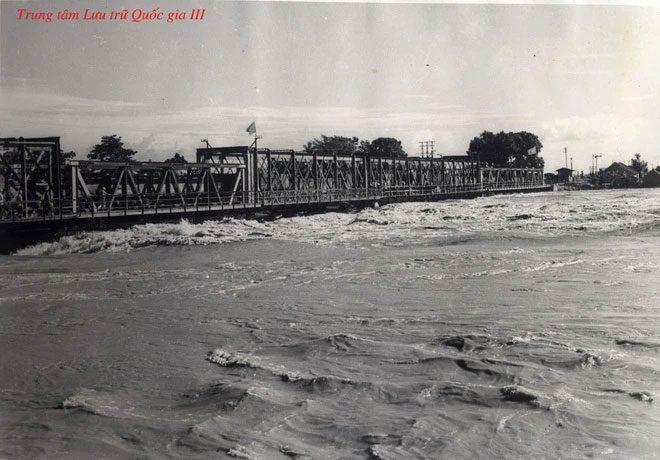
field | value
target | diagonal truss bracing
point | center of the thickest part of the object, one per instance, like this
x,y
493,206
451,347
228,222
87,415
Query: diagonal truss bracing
x,y
36,183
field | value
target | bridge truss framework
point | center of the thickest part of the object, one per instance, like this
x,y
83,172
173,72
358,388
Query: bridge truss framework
x,y
37,184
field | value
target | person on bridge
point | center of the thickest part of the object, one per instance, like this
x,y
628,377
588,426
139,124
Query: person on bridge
x,y
103,194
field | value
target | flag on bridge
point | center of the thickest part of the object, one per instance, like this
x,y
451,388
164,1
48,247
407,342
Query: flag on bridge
x,y
252,129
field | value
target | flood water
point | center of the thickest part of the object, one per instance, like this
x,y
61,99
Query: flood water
x,y
521,326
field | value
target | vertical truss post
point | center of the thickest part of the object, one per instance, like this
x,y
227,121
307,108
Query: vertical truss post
x,y
480,174
255,173
395,181
294,172
408,178
49,192
245,175
477,172
208,187
315,173
431,173
124,189
24,178
269,172
381,179
353,171
442,172
74,189
58,177
335,172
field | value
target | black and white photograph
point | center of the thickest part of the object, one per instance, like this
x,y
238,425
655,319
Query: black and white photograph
x,y
329,230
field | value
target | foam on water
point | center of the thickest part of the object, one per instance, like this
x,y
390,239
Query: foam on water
x,y
549,214
228,359
500,327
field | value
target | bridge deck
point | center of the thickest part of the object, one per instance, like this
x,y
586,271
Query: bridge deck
x,y
264,201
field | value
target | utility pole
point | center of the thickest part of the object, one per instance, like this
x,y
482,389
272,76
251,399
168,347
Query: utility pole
x,y
593,168
427,149
566,157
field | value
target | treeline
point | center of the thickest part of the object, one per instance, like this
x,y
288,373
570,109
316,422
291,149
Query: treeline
x,y
520,149
639,165
512,150
387,147
111,148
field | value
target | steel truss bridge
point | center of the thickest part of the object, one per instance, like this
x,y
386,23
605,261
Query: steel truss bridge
x,y
37,185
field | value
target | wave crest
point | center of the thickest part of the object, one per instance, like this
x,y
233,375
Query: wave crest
x,y
455,221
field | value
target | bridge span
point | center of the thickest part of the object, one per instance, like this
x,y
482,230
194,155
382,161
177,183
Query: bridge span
x,y
43,195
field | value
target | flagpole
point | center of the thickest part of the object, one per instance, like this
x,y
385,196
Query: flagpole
x,y
256,170
255,167
252,129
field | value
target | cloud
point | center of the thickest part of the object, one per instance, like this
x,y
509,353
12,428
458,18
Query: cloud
x,y
156,132
614,135
597,127
17,99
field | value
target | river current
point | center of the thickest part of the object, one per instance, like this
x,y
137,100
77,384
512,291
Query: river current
x,y
519,326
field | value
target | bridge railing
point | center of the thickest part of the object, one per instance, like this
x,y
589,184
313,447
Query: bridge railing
x,y
100,206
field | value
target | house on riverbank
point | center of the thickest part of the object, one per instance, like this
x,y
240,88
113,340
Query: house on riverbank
x,y
565,175
618,175
651,179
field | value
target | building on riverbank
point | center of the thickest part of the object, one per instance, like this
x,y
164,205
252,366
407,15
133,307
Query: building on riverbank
x,y
564,175
618,175
651,179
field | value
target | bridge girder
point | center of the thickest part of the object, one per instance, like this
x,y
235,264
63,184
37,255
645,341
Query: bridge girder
x,y
35,183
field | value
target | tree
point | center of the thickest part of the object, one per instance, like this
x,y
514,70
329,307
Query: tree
x,y
513,150
177,158
111,148
66,156
639,165
385,147
329,145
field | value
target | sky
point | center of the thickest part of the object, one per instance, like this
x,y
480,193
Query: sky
x,y
583,77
